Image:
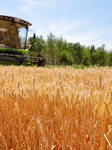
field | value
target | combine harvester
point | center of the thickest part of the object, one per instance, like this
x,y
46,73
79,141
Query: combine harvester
x,y
13,41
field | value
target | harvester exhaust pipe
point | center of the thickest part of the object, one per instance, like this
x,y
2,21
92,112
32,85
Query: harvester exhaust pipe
x,y
34,36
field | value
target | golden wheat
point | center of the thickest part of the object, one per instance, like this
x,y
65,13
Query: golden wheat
x,y
55,109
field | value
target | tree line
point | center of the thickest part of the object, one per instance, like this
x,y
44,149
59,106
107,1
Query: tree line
x,y
58,51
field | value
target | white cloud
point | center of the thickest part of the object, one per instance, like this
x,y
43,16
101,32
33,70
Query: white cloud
x,y
67,26
32,3
79,31
82,31
92,36
25,7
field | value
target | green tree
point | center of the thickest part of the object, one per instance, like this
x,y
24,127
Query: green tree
x,y
92,51
37,44
65,58
51,47
32,42
102,56
58,48
77,53
110,58
86,59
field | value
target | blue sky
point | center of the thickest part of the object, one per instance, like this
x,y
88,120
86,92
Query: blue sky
x,y
86,21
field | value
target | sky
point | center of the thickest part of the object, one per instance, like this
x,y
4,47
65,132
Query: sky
x,y
85,21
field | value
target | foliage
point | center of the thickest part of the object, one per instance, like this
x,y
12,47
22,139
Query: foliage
x,y
37,44
65,58
58,51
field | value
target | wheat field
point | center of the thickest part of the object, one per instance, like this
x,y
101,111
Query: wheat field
x,y
55,109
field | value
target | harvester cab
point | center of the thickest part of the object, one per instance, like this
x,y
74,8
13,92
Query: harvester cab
x,y
13,41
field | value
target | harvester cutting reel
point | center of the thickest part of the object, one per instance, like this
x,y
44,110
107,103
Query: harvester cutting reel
x,y
21,58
